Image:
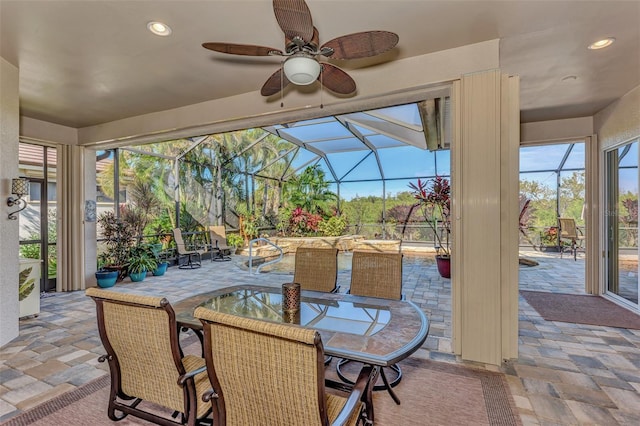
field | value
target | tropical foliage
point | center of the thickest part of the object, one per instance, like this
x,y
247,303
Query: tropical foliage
x,y
310,192
434,200
333,227
141,259
32,251
302,222
547,203
254,182
118,235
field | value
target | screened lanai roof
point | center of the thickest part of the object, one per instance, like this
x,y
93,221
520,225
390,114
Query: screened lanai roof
x,y
381,144
568,156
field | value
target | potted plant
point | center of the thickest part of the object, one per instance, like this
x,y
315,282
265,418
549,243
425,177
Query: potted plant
x,y
434,196
235,240
161,261
118,236
105,278
141,261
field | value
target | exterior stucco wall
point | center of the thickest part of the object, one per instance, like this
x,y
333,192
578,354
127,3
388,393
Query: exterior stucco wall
x,y
9,267
620,121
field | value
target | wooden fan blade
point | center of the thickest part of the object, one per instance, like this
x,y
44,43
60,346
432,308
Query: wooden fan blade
x,y
274,84
336,80
242,49
294,17
362,45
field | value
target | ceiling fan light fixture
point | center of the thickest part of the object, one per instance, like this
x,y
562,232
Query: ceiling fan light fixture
x,y
158,28
601,44
301,70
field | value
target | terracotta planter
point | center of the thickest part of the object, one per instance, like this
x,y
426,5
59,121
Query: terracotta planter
x,y
444,266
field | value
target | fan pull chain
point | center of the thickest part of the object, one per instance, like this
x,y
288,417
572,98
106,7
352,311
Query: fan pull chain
x,y
321,84
282,77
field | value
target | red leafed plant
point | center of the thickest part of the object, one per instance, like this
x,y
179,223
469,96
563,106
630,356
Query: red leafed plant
x,y
434,195
302,222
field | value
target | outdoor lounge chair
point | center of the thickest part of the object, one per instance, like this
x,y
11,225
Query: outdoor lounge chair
x,y
266,373
569,231
140,336
376,274
316,269
193,254
220,251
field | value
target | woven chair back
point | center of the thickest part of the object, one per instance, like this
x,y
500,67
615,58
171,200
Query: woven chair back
x,y
141,333
265,373
177,237
218,233
316,268
568,228
376,274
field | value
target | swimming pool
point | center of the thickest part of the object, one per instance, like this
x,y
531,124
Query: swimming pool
x,y
287,264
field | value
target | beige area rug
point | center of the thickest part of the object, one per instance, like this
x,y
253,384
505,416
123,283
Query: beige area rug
x,y
438,393
431,393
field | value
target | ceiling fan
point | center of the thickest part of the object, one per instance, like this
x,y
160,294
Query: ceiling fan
x,y
302,49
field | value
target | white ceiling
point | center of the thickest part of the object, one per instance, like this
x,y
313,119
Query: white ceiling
x,y
84,63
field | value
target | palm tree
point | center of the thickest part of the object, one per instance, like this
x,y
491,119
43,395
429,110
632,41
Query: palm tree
x,y
310,190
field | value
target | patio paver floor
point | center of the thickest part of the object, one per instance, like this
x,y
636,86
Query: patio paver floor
x,y
565,373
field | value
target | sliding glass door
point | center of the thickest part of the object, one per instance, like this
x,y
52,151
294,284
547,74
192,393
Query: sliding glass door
x,y
621,222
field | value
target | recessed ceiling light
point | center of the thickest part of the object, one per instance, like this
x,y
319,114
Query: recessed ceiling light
x,y
158,28
601,44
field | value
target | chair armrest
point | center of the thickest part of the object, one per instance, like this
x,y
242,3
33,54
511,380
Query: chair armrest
x,y
190,374
358,393
208,395
195,247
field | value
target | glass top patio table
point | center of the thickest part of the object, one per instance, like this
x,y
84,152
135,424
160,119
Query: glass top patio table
x,y
375,331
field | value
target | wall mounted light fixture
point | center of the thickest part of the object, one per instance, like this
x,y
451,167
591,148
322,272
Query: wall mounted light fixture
x,y
20,188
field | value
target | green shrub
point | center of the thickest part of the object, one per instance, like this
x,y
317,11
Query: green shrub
x,y
31,251
235,240
333,227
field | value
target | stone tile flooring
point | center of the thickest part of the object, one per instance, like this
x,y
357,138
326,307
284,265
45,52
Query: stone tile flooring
x,y
566,374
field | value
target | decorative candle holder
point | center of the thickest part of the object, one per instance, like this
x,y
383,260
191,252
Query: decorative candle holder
x,y
291,317
290,297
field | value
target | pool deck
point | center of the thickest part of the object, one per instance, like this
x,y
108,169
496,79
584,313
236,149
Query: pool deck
x,y
565,373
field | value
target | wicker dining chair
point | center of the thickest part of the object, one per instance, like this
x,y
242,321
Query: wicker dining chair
x,y
220,251
376,274
316,269
266,373
140,336
193,254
